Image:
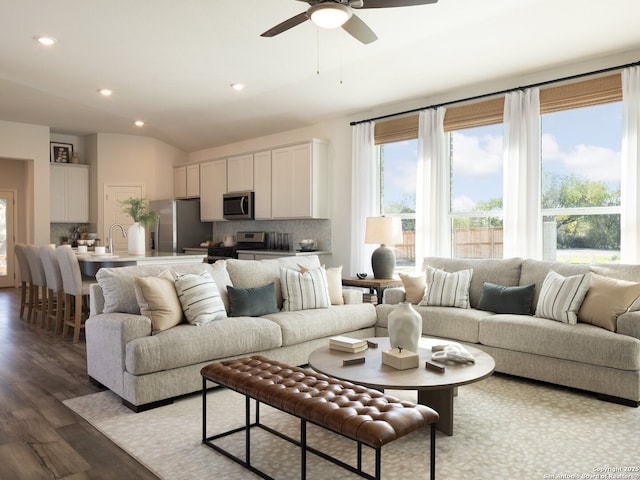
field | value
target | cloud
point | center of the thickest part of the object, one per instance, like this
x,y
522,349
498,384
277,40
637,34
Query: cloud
x,y
586,161
462,204
473,156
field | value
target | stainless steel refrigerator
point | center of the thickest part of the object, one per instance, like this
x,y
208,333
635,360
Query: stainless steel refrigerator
x,y
179,226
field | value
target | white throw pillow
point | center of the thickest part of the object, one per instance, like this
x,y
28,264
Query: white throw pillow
x,y
560,297
200,298
446,289
304,291
334,283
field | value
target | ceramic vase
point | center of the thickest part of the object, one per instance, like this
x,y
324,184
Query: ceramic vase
x,y
136,239
405,327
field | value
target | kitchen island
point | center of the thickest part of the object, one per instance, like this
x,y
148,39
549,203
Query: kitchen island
x,y
90,263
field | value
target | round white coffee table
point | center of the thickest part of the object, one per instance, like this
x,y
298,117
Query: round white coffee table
x,y
435,390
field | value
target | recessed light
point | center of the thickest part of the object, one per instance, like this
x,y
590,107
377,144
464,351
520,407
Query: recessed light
x,y
237,86
139,123
45,40
105,91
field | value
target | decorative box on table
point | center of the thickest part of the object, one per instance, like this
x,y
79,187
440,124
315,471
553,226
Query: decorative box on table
x,y
400,359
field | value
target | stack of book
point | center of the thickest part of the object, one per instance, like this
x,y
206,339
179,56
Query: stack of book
x,y
347,344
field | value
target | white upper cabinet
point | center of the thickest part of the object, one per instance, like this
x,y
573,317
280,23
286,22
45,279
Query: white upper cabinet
x,y
240,173
186,181
193,181
69,193
299,181
213,177
262,184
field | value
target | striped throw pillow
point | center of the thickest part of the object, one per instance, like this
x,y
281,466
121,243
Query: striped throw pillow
x,y
446,289
560,297
200,298
304,291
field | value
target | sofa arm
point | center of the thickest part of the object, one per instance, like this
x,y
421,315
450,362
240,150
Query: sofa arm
x,y
351,296
107,336
629,324
393,295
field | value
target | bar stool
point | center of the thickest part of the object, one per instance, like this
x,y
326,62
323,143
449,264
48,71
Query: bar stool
x,y
76,292
25,279
38,285
55,291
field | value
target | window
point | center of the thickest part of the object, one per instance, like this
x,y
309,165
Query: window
x,y
581,183
398,167
476,192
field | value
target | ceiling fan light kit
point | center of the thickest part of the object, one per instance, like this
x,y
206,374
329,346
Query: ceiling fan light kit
x,y
329,14
339,13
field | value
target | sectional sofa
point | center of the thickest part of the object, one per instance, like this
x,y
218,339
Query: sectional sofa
x,y
148,362
597,350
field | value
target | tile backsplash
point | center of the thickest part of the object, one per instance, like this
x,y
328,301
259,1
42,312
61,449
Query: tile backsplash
x,y
318,230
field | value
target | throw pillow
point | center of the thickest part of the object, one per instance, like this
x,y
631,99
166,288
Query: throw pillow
x,y
446,289
414,286
607,299
158,300
560,297
200,298
334,283
500,299
303,291
252,302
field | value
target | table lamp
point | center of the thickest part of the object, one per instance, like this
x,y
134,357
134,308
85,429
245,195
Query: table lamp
x,y
383,230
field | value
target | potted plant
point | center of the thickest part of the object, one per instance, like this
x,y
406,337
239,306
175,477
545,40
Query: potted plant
x,y
138,210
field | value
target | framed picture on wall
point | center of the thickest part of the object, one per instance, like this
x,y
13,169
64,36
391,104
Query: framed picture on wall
x,y
61,152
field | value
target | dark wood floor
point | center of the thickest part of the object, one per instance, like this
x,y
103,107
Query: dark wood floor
x,y
40,438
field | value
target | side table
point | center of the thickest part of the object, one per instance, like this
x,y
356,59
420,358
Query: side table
x,y
375,285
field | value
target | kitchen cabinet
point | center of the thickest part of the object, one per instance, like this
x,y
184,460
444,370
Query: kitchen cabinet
x,y
240,173
262,184
213,175
271,254
299,181
186,181
69,193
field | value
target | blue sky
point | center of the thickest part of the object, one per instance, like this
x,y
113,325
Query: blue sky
x,y
585,142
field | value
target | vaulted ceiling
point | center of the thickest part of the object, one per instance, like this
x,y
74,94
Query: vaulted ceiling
x,y
171,63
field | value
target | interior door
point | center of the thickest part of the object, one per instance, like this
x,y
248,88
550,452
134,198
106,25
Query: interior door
x,y
7,236
114,196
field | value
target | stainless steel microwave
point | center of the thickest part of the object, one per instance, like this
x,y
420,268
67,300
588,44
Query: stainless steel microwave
x,y
238,205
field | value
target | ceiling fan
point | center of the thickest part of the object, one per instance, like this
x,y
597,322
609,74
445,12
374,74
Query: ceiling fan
x,y
340,13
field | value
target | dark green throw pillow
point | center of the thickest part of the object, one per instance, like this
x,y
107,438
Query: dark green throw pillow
x,y
252,302
499,299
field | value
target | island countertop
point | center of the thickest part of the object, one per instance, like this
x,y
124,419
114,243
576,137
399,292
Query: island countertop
x,y
90,263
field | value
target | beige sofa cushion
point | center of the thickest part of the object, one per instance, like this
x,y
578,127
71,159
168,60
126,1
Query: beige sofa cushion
x,y
414,286
606,300
158,300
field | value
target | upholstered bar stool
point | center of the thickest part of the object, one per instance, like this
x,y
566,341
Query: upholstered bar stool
x,y
76,292
38,285
55,290
25,279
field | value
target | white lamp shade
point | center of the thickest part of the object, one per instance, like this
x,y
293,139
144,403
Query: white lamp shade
x,y
329,15
383,230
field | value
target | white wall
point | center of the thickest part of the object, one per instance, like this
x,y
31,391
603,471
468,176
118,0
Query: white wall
x,y
30,143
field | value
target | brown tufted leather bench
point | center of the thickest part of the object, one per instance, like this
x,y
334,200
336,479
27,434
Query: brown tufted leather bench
x,y
362,414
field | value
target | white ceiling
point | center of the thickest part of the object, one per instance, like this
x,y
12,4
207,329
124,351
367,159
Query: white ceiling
x,y
170,63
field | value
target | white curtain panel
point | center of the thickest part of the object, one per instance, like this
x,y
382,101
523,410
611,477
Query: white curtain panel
x,y
521,181
629,196
364,175
433,231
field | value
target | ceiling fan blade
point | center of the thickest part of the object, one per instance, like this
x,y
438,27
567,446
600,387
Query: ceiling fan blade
x,y
359,30
395,3
286,25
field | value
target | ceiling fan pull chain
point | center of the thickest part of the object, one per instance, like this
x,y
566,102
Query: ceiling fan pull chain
x,y
317,51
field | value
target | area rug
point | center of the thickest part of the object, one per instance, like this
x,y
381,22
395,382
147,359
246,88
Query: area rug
x,y
504,427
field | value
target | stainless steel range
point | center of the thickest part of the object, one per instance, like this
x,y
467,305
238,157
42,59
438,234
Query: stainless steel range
x,y
244,241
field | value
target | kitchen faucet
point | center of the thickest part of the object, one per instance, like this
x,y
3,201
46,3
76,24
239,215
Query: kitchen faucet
x,y
124,234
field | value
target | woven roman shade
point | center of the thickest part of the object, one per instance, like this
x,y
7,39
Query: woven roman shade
x,y
595,91
585,93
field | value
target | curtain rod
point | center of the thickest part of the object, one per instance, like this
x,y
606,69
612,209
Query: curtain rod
x,y
501,92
